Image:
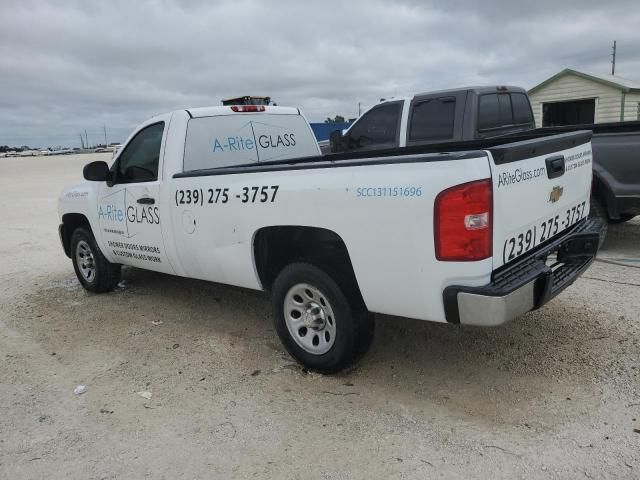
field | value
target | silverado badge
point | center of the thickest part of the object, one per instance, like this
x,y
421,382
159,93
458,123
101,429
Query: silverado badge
x,y
556,193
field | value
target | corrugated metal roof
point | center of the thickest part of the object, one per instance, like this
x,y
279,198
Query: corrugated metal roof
x,y
611,80
623,82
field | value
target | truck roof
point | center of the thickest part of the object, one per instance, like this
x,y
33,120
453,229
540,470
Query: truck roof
x,y
478,90
226,110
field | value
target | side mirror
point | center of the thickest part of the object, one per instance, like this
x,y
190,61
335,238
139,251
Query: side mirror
x,y
96,171
336,141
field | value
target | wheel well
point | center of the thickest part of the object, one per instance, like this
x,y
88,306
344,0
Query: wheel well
x,y
71,221
276,247
602,192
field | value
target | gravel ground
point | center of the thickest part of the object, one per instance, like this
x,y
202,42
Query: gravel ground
x,y
552,395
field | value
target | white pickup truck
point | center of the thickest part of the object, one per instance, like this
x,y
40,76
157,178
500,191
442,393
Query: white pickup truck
x,y
477,233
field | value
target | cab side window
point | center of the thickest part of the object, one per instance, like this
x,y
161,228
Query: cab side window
x,y
433,119
139,160
377,128
494,111
498,110
521,108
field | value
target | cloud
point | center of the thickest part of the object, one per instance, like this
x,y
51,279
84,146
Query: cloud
x,y
75,65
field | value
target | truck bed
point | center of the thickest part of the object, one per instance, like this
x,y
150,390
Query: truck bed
x,y
511,148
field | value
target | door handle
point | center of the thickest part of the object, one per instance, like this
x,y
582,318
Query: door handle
x,y
555,166
146,201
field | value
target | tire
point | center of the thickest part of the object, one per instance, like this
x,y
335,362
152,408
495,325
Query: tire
x,y
624,217
321,327
95,273
599,212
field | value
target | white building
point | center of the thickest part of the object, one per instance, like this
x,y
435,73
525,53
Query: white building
x,y
571,97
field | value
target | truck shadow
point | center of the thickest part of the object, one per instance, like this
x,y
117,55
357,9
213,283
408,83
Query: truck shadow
x,y
622,240
547,355
550,352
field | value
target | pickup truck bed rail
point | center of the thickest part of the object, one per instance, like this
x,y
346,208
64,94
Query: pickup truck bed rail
x,y
518,147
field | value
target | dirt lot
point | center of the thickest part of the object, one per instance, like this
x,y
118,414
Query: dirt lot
x,y
554,395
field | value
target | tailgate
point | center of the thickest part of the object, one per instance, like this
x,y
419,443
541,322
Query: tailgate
x,y
541,188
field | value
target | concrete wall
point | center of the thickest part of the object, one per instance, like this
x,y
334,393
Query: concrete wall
x,y
571,87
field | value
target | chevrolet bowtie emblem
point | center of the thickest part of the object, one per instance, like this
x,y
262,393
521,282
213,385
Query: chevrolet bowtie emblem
x,y
555,194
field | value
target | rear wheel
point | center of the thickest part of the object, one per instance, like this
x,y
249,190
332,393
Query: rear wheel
x,y
318,324
599,211
93,270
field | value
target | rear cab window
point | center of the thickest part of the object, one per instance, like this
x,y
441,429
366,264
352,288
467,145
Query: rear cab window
x,y
503,110
521,109
241,139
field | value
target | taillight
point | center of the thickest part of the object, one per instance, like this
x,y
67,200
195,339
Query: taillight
x,y
248,108
463,222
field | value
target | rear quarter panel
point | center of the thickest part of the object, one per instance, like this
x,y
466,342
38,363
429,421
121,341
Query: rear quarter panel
x,y
617,161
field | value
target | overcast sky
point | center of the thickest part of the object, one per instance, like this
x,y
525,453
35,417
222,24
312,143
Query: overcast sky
x,y
67,66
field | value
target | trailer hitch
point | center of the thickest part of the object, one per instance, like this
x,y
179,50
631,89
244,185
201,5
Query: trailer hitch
x,y
578,246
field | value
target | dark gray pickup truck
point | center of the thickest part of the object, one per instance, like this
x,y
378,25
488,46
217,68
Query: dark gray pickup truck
x,y
481,113
616,166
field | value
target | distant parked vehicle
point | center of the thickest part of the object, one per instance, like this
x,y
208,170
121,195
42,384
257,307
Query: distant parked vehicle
x,y
63,151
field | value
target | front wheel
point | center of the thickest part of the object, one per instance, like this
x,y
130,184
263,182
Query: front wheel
x,y
93,270
317,323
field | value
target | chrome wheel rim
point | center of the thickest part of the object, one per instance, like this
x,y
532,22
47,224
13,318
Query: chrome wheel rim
x,y
310,319
85,261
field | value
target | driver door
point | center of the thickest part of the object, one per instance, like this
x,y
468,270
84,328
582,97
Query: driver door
x,y
129,213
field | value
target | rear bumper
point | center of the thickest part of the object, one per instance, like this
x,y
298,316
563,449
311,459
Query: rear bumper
x,y
527,284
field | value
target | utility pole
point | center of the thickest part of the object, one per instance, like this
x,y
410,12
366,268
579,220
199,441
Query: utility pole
x,y
86,138
359,109
105,135
81,142
613,59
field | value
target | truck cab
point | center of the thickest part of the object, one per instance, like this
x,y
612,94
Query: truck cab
x,y
438,117
127,203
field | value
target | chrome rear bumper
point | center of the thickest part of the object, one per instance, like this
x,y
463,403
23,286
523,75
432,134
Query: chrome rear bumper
x,y
527,284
